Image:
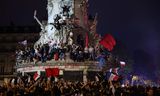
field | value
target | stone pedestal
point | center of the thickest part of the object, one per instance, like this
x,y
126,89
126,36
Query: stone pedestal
x,y
85,75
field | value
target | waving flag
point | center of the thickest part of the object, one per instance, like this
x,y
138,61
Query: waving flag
x,y
105,45
108,42
36,75
113,77
111,39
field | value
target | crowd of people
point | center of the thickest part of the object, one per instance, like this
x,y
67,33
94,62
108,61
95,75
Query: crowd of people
x,y
25,86
55,51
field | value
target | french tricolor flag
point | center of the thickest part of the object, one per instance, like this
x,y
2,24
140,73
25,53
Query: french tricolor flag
x,y
36,75
113,77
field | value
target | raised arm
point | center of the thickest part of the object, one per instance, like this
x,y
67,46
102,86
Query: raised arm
x,y
35,13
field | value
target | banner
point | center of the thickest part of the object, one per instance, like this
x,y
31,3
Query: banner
x,y
52,72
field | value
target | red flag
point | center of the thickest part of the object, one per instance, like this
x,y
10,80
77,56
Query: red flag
x,y
55,72
87,40
108,42
112,40
105,44
109,39
48,72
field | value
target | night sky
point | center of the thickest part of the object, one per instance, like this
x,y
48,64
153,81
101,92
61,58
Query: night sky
x,y
135,23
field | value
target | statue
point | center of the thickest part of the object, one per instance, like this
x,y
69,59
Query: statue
x,y
43,34
55,28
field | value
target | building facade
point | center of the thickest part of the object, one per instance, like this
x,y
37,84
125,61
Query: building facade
x,y
9,38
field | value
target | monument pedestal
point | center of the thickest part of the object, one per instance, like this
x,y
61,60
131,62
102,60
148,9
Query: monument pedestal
x,y
64,67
